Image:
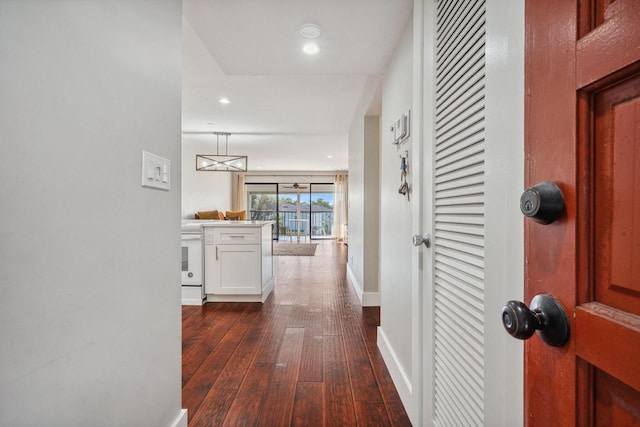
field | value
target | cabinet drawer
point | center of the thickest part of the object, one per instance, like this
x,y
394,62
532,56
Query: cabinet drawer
x,y
236,236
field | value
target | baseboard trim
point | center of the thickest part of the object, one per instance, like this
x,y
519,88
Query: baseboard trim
x,y
198,301
367,299
370,299
398,375
354,282
266,291
192,295
181,419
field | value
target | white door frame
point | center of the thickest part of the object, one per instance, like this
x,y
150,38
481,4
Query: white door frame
x,y
422,215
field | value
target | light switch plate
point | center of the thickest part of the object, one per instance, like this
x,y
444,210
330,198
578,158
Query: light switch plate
x,y
156,171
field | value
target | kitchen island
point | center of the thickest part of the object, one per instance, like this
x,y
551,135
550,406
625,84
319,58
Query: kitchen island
x,y
238,260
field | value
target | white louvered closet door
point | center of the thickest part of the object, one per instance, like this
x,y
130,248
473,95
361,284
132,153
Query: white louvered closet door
x,y
459,214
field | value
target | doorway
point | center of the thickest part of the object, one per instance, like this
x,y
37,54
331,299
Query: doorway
x,y
305,211
302,211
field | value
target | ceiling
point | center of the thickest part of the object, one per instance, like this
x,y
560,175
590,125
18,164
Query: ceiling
x,y
288,111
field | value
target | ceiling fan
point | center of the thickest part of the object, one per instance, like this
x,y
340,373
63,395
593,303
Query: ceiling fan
x,y
296,186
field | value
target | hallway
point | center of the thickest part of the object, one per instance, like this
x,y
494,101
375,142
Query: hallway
x,y
307,357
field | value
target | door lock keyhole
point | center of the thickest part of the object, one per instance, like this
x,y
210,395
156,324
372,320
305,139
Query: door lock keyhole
x,y
543,202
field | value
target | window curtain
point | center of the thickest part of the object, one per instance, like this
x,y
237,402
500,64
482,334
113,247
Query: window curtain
x,y
340,198
239,194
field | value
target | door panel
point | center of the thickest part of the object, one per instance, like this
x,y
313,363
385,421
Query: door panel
x,y
609,39
616,404
609,338
617,196
582,128
459,324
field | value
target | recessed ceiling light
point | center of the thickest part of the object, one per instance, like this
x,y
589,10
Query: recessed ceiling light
x,y
310,31
310,49
224,101
329,156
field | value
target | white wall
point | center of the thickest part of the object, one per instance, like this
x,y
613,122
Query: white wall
x,y
355,257
90,317
364,199
203,191
371,236
395,216
504,182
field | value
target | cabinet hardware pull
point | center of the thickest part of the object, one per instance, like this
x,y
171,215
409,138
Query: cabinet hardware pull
x,y
216,253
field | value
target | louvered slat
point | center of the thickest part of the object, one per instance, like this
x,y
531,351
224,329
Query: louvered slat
x,y
455,193
470,60
459,171
464,121
459,214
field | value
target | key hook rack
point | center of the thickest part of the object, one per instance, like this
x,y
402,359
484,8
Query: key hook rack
x,y
404,168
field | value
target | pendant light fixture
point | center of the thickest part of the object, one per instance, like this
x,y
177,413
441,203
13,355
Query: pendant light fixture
x,y
221,162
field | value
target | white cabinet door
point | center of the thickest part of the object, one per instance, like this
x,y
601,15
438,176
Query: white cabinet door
x,y
234,270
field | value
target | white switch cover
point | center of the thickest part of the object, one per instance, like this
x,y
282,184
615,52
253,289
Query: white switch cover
x,y
156,171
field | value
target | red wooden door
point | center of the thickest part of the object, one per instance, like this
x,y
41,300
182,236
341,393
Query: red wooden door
x,y
582,131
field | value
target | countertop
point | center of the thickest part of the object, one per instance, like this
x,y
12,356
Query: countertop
x,y
196,224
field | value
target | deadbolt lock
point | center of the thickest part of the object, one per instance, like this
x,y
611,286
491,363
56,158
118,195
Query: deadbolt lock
x,y
543,202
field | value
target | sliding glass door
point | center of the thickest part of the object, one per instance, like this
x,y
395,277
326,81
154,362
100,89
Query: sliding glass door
x,y
262,200
293,210
300,210
321,211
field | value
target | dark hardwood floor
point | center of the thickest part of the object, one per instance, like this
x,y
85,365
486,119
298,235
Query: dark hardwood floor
x,y
307,357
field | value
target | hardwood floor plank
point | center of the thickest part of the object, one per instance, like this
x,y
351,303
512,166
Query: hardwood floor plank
x,y
245,409
199,317
330,313
338,395
245,354
300,306
308,406
372,414
194,392
214,412
363,379
208,340
277,408
187,311
216,404
395,408
306,357
311,359
273,336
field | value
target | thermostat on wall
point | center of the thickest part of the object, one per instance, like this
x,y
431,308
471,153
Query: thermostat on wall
x,y
400,128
